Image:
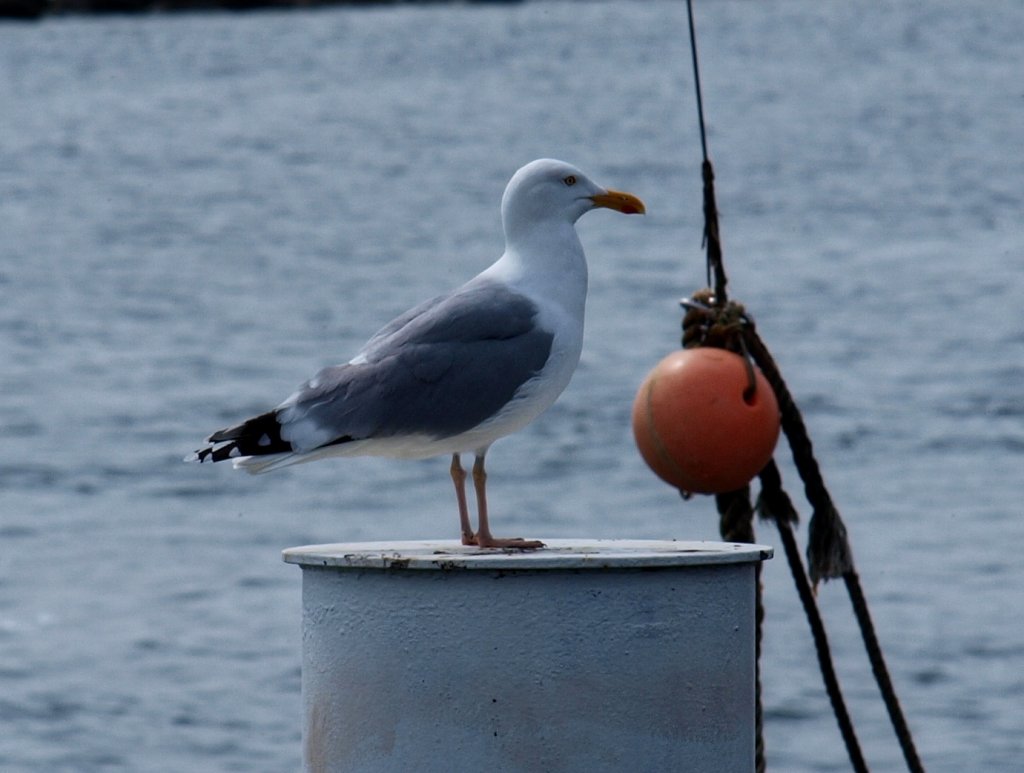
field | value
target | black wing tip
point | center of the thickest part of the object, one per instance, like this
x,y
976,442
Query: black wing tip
x,y
258,436
215,453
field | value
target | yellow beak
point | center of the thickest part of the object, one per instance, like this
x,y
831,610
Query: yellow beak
x,y
626,203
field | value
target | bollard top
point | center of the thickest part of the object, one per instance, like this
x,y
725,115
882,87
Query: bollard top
x,y
557,554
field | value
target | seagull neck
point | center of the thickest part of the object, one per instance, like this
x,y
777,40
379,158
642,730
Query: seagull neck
x,y
547,248
547,264
544,255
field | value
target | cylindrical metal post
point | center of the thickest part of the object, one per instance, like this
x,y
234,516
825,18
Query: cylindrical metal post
x,y
606,655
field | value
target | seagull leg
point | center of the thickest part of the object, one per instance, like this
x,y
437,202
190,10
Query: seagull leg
x,y
483,534
459,479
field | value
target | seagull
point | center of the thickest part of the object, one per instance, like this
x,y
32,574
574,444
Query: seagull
x,y
459,371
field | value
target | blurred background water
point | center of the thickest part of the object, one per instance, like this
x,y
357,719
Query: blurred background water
x,y
198,211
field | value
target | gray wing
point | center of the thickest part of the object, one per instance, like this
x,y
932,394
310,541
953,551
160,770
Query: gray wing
x,y
440,369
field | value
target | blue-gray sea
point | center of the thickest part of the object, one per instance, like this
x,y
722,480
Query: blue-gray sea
x,y
197,211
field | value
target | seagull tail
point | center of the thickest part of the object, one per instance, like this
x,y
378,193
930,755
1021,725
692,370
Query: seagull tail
x,y
254,445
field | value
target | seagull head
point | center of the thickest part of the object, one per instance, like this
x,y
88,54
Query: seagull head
x,y
550,191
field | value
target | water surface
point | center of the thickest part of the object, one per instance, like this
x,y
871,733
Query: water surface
x,y
198,211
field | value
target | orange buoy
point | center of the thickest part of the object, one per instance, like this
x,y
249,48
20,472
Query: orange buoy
x,y
697,426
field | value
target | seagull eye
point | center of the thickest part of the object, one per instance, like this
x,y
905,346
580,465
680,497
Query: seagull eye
x,y
570,180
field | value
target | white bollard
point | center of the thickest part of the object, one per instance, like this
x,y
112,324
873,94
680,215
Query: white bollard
x,y
585,656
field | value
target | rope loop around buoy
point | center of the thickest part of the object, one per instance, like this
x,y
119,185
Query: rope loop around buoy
x,y
710,323
707,323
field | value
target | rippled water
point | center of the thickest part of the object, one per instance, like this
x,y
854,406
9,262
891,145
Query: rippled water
x,y
198,211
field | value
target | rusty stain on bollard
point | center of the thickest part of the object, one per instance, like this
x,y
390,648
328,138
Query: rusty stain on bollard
x,y
315,751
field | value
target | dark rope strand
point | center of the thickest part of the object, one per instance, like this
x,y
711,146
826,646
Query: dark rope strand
x,y
736,524
821,646
711,237
737,516
773,503
776,502
881,672
760,761
828,549
696,81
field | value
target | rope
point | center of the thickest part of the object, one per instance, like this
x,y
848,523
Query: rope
x,y
736,524
829,554
878,668
727,327
774,504
696,80
828,548
711,235
710,320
